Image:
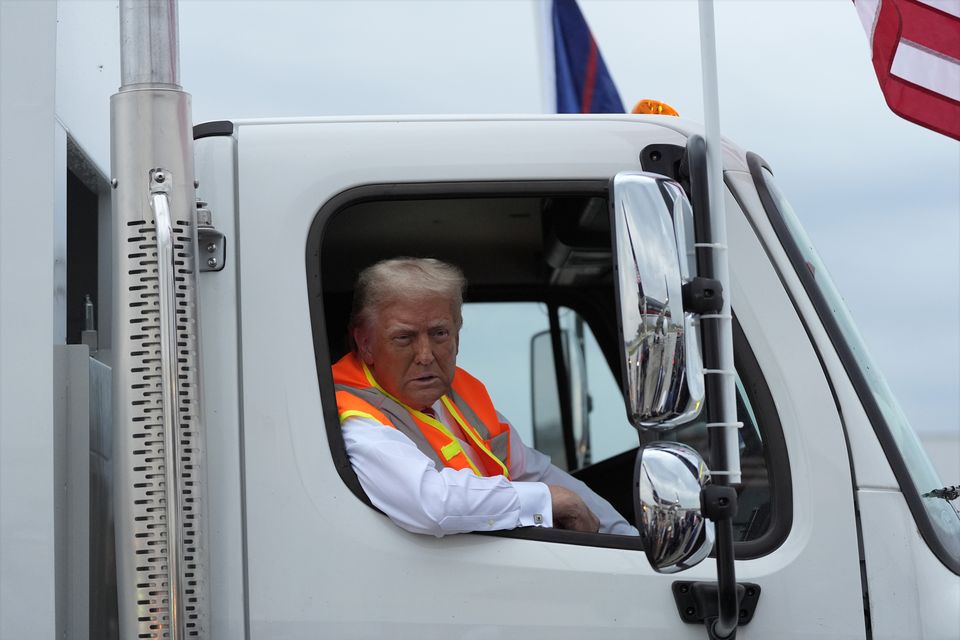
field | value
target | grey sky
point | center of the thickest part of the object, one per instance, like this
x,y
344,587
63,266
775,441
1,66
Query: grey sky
x,y
879,196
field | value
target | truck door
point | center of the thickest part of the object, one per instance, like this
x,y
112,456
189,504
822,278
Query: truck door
x,y
528,229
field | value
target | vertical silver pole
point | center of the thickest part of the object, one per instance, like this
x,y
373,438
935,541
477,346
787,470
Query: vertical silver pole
x,y
543,16
718,217
159,455
149,44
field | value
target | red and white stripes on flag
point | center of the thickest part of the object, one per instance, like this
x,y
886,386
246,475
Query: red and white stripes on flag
x,y
916,54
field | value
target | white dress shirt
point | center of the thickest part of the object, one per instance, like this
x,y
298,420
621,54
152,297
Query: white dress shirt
x,y
406,485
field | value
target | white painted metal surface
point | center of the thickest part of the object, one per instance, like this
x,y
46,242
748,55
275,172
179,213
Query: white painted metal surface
x,y
72,489
27,138
88,73
218,297
912,595
318,559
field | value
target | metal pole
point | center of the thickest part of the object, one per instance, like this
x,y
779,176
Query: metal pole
x,y
725,452
149,44
543,15
158,429
711,103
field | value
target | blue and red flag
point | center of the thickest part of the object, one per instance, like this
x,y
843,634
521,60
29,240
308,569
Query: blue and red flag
x,y
583,83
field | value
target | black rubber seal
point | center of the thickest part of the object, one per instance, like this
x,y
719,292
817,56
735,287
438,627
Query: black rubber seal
x,y
775,454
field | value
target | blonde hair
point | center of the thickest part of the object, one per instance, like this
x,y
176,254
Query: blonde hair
x,y
404,278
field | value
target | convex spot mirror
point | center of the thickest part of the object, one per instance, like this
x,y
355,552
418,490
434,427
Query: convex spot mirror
x,y
668,480
661,365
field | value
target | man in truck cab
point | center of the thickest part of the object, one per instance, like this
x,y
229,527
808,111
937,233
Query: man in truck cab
x,y
423,436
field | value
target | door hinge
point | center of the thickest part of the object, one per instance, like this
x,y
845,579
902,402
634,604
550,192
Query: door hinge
x,y
211,244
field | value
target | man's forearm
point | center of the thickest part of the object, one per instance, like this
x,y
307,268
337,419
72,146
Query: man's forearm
x,y
405,485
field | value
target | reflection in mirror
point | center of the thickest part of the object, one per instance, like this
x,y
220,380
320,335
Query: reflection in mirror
x,y
663,371
682,212
668,478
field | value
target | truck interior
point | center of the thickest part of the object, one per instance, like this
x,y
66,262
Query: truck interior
x,y
545,242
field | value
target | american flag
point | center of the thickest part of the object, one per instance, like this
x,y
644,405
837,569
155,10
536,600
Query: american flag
x,y
916,54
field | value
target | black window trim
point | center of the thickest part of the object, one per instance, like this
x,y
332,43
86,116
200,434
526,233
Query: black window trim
x,y
859,382
778,462
774,450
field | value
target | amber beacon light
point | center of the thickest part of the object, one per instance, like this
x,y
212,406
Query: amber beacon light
x,y
654,107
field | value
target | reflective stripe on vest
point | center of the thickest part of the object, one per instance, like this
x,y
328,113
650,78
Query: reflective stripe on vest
x,y
359,394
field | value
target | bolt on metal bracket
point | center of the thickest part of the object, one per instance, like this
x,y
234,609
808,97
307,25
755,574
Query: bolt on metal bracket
x,y
211,244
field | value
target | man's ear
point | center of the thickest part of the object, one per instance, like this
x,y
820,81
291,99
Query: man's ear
x,y
362,338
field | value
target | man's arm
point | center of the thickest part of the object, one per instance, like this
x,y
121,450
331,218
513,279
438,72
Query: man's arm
x,y
528,464
405,484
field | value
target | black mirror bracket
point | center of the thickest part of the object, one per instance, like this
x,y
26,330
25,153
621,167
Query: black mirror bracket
x,y
697,604
718,502
702,295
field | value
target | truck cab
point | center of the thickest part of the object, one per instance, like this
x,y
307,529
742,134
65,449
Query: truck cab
x,y
833,527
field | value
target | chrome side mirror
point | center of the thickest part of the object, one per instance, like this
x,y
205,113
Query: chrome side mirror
x,y
662,370
668,479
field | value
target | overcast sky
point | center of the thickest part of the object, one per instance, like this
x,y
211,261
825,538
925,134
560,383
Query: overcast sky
x,y
879,196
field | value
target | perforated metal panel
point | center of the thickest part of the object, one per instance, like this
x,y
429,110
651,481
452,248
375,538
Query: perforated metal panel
x,y
147,439
149,493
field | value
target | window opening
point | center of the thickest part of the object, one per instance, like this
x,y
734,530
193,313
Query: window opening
x,y
525,225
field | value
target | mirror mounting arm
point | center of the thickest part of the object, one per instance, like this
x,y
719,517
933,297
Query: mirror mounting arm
x,y
719,503
724,627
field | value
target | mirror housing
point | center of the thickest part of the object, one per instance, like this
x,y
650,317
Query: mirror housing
x,y
668,480
661,365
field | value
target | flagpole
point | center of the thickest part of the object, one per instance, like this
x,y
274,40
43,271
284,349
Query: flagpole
x,y
724,447
543,16
730,467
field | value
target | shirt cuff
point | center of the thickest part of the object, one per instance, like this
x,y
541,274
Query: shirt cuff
x,y
536,506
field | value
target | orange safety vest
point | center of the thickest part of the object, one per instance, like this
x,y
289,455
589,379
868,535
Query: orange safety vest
x,y
358,394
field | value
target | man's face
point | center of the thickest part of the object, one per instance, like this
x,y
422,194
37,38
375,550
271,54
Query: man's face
x,y
410,347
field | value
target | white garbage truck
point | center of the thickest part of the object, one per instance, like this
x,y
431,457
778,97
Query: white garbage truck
x,y
206,490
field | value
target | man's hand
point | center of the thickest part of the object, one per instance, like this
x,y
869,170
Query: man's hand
x,y
570,512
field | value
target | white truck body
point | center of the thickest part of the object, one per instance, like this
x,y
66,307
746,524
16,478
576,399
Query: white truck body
x,y
283,502
293,551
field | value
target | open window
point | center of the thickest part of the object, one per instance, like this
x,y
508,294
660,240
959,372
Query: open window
x,y
537,257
